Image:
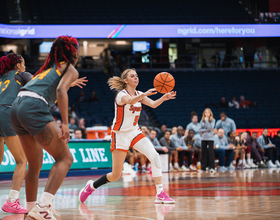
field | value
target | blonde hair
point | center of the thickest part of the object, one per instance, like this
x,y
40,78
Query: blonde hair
x,y
211,115
117,83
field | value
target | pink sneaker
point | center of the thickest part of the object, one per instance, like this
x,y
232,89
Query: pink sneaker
x,y
163,198
13,207
86,191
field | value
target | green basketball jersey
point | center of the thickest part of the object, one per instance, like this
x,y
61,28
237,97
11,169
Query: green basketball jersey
x,y
45,84
9,87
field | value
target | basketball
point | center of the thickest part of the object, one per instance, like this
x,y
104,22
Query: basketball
x,y
164,82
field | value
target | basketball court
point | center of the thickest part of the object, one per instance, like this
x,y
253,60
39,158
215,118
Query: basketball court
x,y
242,194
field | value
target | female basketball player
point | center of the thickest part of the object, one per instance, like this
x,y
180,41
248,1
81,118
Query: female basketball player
x,y
12,78
126,133
37,130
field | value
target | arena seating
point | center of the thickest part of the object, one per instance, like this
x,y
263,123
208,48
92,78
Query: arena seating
x,y
195,89
4,18
144,12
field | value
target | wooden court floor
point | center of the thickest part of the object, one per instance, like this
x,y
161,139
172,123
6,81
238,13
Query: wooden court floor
x,y
243,194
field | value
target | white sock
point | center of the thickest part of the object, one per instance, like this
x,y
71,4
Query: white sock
x,y
144,167
248,161
252,161
176,165
30,205
239,162
91,185
170,165
159,188
13,195
243,161
261,162
46,199
198,164
234,162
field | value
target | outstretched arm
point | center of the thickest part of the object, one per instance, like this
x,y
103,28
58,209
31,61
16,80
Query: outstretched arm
x,y
135,99
155,103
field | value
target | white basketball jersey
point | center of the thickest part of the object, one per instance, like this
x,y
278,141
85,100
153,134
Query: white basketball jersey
x,y
126,116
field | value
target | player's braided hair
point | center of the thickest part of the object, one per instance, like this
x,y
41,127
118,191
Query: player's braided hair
x,y
117,83
64,48
9,61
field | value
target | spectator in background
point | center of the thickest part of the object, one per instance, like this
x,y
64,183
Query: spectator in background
x,y
223,149
223,103
181,147
207,125
244,103
257,150
226,123
277,137
194,125
165,141
174,130
72,112
72,124
59,123
247,149
78,134
133,157
189,140
238,150
153,138
81,97
270,149
233,103
93,97
162,132
81,125
197,145
145,130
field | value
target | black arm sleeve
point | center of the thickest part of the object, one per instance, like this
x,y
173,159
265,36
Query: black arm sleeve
x,y
24,77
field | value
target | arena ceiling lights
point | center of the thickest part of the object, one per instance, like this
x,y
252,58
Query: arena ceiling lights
x,y
141,31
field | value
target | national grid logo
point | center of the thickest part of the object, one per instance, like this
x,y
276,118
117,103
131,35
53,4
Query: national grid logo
x,y
17,31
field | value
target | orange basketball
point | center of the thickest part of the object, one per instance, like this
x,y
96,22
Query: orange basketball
x,y
164,82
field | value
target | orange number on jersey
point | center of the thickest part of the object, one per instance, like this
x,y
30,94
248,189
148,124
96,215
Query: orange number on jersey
x,y
136,120
7,82
42,75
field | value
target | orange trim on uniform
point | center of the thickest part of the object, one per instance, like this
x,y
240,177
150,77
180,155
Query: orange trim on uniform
x,y
136,139
122,150
128,92
113,142
119,119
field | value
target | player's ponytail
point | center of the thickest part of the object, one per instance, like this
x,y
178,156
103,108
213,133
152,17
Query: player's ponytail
x,y
117,83
8,62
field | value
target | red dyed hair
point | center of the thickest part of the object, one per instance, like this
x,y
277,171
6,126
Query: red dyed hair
x,y
9,61
64,48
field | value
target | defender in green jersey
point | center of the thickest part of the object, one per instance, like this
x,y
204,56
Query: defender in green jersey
x,y
33,122
12,78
